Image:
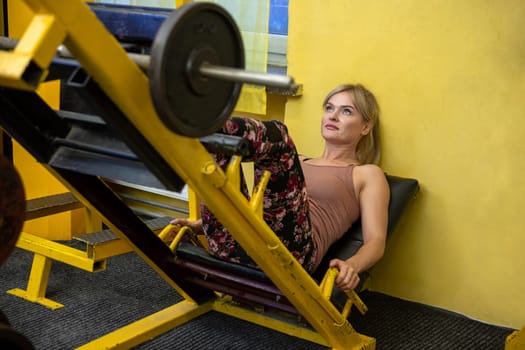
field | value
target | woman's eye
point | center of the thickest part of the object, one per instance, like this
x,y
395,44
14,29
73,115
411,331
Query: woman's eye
x,y
328,108
347,111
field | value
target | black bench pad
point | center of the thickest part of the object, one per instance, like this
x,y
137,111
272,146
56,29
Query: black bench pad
x,y
403,190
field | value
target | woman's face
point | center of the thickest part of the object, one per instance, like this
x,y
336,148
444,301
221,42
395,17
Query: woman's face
x,y
341,122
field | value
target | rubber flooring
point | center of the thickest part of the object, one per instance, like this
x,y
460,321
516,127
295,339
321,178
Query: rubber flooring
x,y
99,303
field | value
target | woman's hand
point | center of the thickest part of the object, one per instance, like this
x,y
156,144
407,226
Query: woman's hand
x,y
348,277
196,226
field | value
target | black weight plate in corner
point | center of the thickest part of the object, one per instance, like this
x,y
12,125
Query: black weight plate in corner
x,y
12,207
187,103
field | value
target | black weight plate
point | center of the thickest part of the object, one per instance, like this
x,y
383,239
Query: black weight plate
x,y
186,102
10,339
12,208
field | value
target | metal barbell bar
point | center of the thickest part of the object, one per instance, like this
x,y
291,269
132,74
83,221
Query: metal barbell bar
x,y
213,71
206,69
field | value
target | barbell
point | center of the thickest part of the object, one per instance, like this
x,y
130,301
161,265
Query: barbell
x,y
196,69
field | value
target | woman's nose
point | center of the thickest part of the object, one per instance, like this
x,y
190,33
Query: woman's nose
x,y
333,115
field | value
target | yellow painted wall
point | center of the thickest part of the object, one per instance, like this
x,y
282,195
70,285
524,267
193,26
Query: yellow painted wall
x,y
450,77
37,180
275,108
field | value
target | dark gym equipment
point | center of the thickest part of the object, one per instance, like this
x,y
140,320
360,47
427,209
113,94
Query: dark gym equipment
x,y
12,215
12,207
10,339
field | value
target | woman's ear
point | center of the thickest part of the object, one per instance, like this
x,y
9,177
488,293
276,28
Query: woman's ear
x,y
367,128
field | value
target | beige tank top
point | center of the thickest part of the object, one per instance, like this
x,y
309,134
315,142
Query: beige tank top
x,y
333,204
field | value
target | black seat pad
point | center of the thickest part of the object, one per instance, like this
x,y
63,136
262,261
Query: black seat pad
x,y
402,191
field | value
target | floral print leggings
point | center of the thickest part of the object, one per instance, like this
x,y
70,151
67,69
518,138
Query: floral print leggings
x,y
285,197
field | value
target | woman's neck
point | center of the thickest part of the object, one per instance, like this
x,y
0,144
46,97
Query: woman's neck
x,y
336,155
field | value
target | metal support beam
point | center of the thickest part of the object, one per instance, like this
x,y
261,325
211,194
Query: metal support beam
x,y
149,327
37,284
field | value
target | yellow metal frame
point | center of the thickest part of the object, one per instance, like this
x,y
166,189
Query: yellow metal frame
x,y
149,327
33,53
75,24
93,259
516,340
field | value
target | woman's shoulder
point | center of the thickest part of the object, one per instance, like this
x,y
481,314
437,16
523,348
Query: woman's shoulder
x,y
368,173
369,169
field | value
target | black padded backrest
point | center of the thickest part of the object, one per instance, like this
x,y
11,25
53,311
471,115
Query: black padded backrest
x,y
402,191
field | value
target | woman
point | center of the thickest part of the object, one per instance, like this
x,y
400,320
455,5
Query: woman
x,y
311,202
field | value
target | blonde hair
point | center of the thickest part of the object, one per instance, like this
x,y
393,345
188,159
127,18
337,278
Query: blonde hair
x,y
368,149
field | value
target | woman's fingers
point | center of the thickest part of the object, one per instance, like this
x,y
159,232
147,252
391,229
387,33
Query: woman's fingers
x,y
347,279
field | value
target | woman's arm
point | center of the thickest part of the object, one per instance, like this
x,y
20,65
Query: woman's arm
x,y
373,194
